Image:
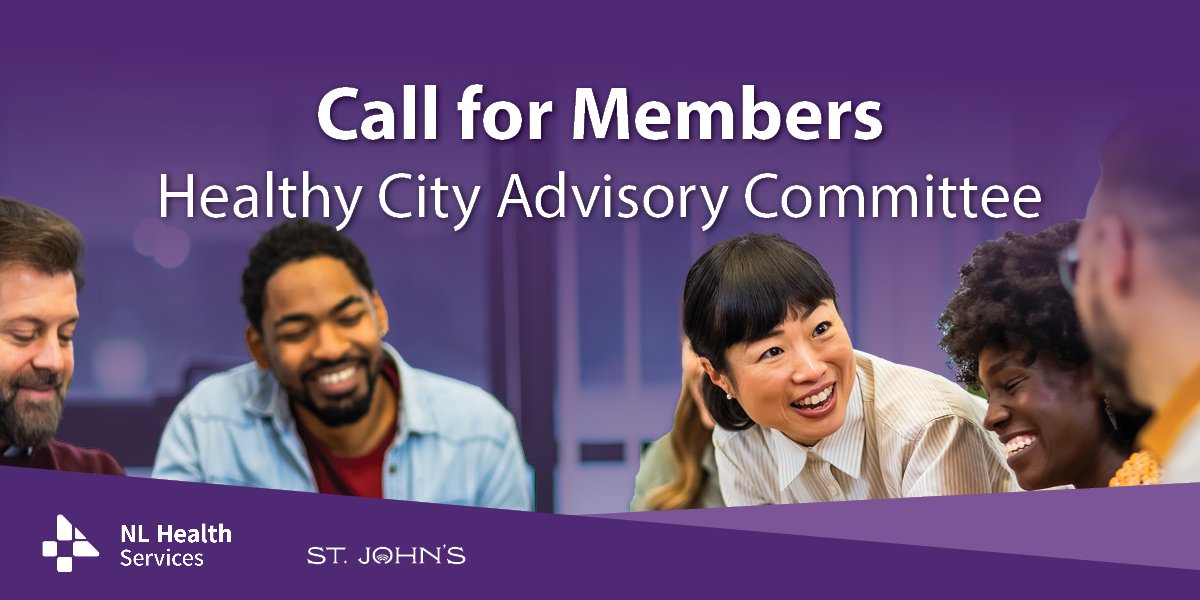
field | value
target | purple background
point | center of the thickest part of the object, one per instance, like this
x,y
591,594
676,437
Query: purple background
x,y
513,554
573,324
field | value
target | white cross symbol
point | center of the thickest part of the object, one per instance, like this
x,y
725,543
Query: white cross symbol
x,y
80,547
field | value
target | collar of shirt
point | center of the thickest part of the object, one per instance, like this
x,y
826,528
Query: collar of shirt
x,y
415,415
843,449
1160,434
15,451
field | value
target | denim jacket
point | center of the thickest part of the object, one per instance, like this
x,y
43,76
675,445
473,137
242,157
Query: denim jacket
x,y
455,444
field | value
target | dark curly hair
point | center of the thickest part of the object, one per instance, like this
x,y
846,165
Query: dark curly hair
x,y
295,241
1010,297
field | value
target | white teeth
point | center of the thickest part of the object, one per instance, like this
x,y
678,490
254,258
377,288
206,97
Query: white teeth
x,y
1019,443
338,377
817,398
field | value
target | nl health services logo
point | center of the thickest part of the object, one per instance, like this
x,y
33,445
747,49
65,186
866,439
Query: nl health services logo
x,y
72,540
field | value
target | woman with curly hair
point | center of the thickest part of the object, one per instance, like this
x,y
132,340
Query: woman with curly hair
x,y
1011,332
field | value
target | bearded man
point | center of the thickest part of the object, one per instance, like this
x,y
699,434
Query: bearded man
x,y
1135,273
40,277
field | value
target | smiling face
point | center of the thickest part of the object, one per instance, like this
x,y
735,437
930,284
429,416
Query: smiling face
x,y
797,379
1050,421
322,337
37,321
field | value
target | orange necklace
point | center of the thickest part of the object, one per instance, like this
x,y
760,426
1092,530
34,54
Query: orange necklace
x,y
1140,469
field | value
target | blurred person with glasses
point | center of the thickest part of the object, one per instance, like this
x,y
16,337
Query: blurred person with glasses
x,y
1135,277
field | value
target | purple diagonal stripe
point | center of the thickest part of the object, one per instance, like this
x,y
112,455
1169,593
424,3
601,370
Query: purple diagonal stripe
x,y
1147,526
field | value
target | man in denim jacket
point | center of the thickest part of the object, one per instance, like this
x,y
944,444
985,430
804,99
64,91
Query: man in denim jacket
x,y
328,406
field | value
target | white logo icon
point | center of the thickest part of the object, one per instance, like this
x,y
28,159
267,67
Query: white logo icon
x,y
68,534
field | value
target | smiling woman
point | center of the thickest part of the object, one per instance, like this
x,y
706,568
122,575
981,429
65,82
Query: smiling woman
x,y
801,415
1011,331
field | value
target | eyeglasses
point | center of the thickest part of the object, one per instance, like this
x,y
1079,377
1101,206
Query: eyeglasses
x,y
1068,267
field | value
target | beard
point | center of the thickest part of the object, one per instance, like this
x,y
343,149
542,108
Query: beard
x,y
30,424
338,412
1110,353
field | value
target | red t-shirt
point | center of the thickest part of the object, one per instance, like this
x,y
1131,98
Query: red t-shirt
x,y
353,475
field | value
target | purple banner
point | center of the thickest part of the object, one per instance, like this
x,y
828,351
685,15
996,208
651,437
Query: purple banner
x,y
309,546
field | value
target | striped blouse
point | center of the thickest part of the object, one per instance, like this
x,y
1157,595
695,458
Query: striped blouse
x,y
907,433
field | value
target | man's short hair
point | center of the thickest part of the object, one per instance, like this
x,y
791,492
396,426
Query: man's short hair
x,y
1153,160
38,238
295,241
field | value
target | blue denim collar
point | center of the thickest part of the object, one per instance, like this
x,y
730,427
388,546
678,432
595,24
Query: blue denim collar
x,y
271,401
